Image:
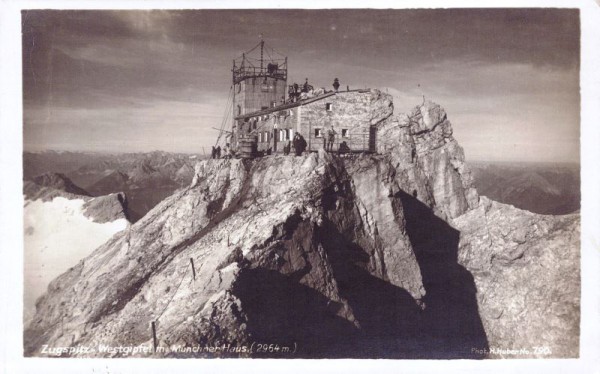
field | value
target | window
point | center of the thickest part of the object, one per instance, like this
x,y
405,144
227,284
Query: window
x,y
288,134
318,133
281,135
239,110
328,107
344,133
260,139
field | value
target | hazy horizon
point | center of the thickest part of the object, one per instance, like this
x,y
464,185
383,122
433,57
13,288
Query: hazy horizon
x,y
139,81
207,154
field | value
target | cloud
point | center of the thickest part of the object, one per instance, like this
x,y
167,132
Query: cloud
x,y
508,78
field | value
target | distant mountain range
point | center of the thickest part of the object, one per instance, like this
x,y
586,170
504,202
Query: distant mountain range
x,y
540,188
148,178
145,178
391,255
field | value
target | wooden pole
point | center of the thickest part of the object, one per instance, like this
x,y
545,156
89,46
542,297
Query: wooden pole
x,y
220,130
309,136
262,45
154,340
193,268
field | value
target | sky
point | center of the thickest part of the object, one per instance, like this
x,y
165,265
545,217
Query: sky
x,y
136,81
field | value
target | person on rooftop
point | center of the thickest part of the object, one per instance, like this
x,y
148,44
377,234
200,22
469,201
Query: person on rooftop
x,y
336,84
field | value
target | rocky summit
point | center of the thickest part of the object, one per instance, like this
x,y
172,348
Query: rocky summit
x,y
387,255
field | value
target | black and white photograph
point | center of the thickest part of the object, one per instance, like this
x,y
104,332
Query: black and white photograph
x,y
292,183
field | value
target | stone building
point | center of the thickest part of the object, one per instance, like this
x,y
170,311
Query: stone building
x,y
265,112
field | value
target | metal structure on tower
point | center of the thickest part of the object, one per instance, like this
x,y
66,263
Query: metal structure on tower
x,y
246,66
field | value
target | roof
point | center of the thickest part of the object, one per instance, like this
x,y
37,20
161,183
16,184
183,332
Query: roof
x,y
295,104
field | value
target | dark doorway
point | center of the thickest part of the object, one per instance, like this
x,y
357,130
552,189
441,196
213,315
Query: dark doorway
x,y
372,138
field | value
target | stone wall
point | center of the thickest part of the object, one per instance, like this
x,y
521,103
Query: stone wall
x,y
276,129
350,113
353,116
253,94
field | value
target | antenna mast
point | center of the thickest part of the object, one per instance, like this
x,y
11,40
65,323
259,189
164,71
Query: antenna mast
x,y
262,46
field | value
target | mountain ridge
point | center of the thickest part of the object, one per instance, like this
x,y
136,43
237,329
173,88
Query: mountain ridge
x,y
356,256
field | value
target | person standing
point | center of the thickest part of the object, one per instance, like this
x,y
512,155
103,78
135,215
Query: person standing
x,y
336,84
330,138
305,87
299,144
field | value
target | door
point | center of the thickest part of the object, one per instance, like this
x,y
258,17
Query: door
x,y
372,138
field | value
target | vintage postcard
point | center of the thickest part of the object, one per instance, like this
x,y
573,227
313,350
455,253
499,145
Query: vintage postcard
x,y
280,183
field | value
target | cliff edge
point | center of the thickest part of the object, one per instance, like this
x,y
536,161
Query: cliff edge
x,y
389,255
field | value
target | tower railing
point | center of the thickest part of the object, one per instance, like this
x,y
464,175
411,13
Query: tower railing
x,y
245,72
274,65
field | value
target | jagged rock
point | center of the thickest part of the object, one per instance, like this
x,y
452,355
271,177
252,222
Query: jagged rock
x,y
378,255
429,162
106,208
382,218
526,268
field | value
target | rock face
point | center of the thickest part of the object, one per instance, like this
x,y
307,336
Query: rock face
x,y
526,269
423,148
362,256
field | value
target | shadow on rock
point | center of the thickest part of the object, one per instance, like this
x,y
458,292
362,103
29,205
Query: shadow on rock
x,y
388,315
392,325
451,325
283,312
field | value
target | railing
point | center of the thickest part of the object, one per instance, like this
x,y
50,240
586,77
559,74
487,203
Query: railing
x,y
245,72
353,143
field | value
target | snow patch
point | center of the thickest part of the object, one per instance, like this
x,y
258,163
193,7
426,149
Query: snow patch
x,y
57,236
